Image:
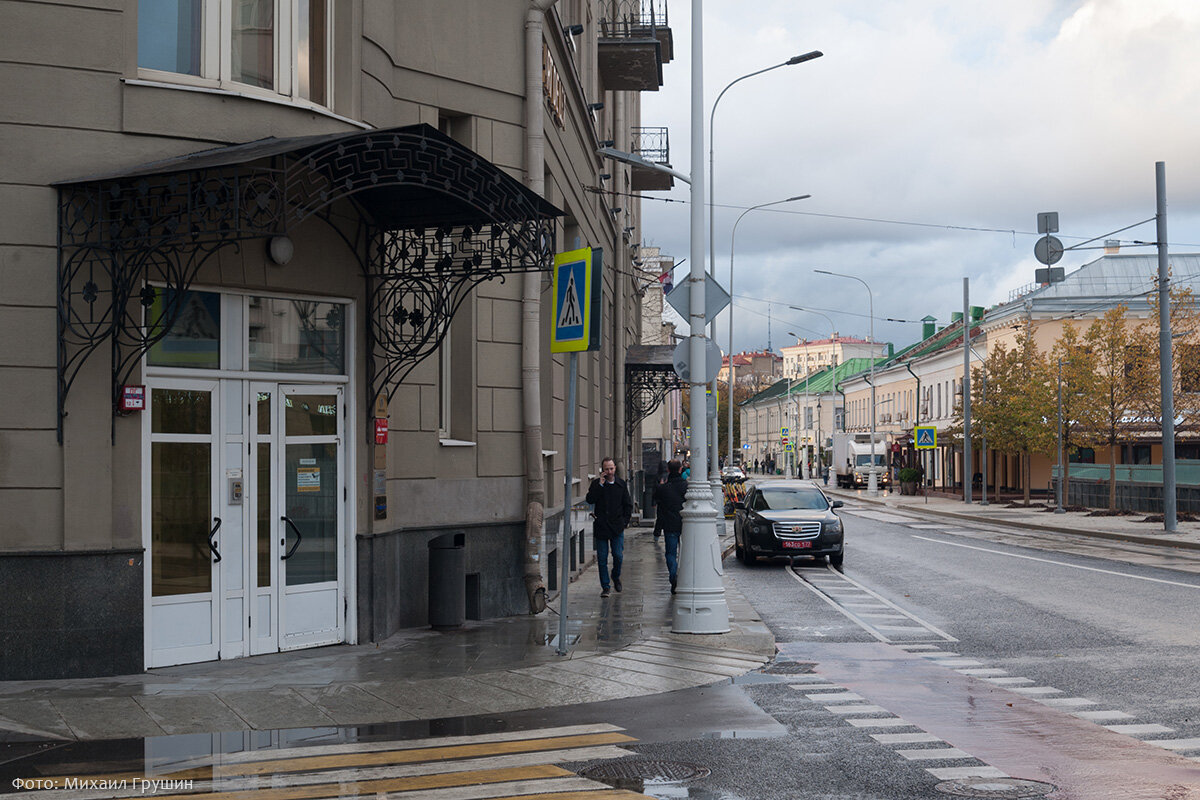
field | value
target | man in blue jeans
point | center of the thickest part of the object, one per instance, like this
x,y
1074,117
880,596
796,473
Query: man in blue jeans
x,y
612,509
669,498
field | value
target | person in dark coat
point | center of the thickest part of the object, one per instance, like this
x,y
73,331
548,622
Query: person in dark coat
x,y
669,498
612,509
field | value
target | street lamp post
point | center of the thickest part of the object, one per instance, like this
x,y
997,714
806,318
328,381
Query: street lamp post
x,y
732,369
872,478
712,249
833,365
806,471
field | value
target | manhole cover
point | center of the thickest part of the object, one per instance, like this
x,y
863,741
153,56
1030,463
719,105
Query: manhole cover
x,y
791,667
1001,788
646,770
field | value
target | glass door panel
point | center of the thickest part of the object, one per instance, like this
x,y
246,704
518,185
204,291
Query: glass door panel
x,y
180,485
311,521
313,508
182,523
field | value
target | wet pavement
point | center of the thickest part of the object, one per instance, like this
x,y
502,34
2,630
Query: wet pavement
x,y
619,647
975,729
1129,528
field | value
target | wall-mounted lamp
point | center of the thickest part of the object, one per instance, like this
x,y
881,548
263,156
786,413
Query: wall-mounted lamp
x,y
607,142
615,211
280,249
629,229
605,176
595,106
573,30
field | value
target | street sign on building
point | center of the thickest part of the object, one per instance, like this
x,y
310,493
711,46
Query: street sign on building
x,y
577,286
925,438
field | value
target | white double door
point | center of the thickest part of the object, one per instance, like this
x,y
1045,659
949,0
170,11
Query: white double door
x,y
244,518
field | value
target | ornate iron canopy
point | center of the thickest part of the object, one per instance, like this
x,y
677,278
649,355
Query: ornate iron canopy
x,y
429,219
649,378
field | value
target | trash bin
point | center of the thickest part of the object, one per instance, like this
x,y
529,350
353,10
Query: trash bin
x,y
447,581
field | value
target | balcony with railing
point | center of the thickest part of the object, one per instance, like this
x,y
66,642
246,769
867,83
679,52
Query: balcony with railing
x,y
635,42
654,145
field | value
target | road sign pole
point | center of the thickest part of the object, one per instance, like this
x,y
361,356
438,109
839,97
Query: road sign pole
x,y
565,548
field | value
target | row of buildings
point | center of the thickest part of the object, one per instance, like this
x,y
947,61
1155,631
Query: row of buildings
x,y
276,298
922,383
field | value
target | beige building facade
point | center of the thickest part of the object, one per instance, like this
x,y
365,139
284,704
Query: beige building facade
x,y
277,293
807,356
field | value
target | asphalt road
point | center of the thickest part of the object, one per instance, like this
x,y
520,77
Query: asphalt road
x,y
1033,654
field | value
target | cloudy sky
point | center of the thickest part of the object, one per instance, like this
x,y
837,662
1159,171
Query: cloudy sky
x,y
947,115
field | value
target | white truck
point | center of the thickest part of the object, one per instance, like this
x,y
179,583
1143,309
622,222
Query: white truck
x,y
852,458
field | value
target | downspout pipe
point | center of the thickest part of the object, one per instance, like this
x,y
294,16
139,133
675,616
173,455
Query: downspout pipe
x,y
620,263
531,302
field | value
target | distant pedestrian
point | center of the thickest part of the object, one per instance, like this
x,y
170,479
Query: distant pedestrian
x,y
670,496
687,470
612,509
756,465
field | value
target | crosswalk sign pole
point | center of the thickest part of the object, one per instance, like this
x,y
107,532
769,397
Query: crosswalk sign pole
x,y
565,547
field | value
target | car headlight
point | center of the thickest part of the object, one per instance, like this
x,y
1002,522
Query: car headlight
x,y
832,527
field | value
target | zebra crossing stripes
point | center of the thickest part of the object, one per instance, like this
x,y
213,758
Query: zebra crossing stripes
x,y
510,764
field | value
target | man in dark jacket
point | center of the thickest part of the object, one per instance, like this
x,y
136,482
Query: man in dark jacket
x,y
612,508
669,498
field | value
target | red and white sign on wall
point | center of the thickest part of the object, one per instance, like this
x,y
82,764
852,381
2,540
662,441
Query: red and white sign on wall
x,y
381,430
133,398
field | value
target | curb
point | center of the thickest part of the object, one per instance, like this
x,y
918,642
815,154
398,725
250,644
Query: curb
x,y
1121,537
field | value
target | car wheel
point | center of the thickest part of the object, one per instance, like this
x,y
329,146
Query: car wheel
x,y
748,558
737,549
836,559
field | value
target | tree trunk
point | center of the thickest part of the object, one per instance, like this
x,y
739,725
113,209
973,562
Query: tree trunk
x,y
1066,480
1112,471
1025,474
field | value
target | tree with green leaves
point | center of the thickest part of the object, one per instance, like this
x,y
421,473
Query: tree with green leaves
x,y
1142,370
1075,364
1019,405
1112,343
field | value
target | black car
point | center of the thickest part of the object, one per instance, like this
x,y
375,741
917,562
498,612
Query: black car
x,y
788,518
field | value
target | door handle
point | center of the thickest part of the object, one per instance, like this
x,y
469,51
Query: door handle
x,y
212,544
296,531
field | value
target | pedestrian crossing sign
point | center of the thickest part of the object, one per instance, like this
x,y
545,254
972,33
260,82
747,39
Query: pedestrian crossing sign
x,y
577,288
925,438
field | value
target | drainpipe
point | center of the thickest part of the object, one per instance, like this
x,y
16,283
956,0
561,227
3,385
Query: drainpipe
x,y
620,134
531,301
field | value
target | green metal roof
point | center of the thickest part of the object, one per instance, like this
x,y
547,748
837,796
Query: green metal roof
x,y
818,382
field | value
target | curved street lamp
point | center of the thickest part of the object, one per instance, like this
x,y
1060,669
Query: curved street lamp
x,y
872,478
732,237
712,236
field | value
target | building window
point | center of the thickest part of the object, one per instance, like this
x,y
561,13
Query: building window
x,y
277,46
445,386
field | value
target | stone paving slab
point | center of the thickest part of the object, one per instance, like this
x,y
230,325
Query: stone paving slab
x,y
277,708
183,713
106,717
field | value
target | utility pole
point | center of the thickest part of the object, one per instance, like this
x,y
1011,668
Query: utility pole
x,y
968,475
1166,379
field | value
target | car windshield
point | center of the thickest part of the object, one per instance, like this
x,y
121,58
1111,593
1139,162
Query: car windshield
x,y
864,460
789,499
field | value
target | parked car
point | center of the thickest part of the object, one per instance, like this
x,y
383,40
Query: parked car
x,y
733,472
788,518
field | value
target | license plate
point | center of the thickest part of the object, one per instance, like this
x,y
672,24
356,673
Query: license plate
x,y
797,545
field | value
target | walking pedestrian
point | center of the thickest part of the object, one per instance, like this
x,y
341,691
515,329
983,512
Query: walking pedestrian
x,y
669,497
612,508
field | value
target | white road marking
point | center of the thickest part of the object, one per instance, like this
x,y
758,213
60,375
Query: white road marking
x,y
808,687
1035,690
1065,702
883,722
912,648
1098,716
836,697
958,662
904,738
938,654
1133,730
868,709
1175,744
938,754
1061,563
988,672
874,630
1008,681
